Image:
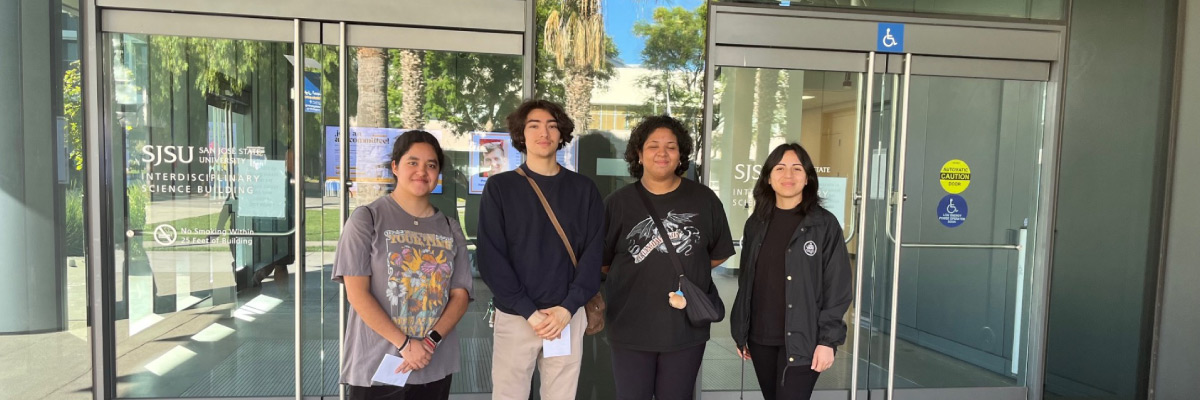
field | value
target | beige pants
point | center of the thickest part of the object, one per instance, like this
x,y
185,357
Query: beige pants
x,y
516,349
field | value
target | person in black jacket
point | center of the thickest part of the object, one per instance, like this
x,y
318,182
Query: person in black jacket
x,y
794,286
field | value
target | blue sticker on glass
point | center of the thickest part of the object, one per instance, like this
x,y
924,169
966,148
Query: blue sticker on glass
x,y
890,38
312,92
952,211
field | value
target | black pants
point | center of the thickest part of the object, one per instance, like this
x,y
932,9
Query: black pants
x,y
769,362
436,390
666,376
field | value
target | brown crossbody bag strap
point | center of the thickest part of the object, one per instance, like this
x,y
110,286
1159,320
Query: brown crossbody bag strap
x,y
553,218
595,307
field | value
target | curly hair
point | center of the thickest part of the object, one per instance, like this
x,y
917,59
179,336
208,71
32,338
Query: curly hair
x,y
642,131
516,122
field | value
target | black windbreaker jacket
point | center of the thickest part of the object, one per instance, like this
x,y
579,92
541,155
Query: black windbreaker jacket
x,y
818,288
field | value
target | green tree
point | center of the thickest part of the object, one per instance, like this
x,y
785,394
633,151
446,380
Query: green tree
x,y
216,64
675,51
72,112
472,92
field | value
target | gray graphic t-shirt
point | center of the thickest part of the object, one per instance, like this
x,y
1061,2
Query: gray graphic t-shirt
x,y
413,264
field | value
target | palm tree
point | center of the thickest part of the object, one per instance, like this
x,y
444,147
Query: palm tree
x,y
372,87
412,75
575,35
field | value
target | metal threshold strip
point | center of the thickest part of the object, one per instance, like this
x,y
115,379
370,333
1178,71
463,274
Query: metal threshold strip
x,y
961,246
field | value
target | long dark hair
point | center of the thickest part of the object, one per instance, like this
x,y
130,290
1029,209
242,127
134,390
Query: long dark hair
x,y
642,131
764,195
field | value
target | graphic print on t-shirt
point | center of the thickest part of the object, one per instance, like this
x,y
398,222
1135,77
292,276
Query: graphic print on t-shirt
x,y
419,269
644,237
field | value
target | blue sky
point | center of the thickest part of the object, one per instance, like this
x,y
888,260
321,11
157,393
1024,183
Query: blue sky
x,y
620,15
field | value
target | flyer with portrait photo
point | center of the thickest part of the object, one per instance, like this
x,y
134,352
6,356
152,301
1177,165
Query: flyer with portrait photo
x,y
491,153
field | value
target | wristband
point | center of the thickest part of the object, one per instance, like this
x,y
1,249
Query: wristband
x,y
402,346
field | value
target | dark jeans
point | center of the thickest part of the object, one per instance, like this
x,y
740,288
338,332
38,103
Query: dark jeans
x,y
666,376
769,361
437,390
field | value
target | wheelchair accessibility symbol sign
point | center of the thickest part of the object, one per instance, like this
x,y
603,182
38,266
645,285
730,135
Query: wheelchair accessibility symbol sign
x,y
890,38
952,211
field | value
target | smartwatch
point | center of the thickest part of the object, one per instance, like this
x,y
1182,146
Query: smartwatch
x,y
434,337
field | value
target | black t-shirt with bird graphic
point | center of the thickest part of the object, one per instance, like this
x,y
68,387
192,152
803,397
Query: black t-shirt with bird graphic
x,y
641,275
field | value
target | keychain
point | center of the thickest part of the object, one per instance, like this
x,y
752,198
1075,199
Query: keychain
x,y
490,314
676,298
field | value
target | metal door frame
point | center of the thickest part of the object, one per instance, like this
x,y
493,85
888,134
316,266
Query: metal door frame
x,y
742,35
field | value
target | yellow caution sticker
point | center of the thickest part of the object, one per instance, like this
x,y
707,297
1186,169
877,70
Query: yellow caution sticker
x,y
955,176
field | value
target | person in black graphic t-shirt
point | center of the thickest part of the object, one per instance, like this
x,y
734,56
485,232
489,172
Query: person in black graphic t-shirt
x,y
655,350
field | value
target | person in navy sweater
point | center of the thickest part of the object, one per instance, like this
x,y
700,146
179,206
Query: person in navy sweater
x,y
538,290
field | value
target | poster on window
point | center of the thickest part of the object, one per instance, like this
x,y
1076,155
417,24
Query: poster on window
x,y
370,161
491,153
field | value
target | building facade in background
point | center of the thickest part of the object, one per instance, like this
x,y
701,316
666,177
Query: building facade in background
x,y
161,158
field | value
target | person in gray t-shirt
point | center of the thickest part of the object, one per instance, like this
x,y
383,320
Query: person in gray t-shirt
x,y
408,280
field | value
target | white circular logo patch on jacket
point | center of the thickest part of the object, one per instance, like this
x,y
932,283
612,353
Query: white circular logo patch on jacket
x,y
810,248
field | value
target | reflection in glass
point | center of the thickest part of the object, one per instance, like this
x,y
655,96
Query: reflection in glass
x,y
963,319
758,110
204,219
1030,9
461,98
44,336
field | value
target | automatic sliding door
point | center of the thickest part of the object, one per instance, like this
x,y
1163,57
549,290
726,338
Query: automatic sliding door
x,y
946,183
457,86
970,212
202,129
757,110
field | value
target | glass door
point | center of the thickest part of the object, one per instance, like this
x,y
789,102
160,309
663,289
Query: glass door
x,y
957,217
237,177
387,81
827,108
202,144
933,169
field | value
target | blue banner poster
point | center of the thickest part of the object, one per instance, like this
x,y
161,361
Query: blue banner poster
x,y
370,158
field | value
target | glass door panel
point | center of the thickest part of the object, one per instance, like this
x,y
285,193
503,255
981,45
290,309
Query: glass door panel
x,y
202,130
759,109
322,224
970,207
876,229
461,98
949,167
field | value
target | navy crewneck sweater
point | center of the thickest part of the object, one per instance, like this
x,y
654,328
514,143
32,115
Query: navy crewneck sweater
x,y
520,255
